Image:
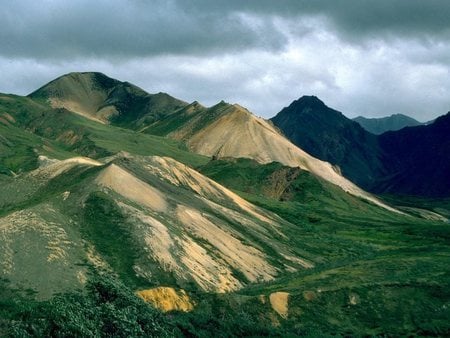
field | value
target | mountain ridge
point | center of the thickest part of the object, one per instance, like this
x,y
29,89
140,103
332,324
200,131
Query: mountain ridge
x,y
103,99
397,162
223,130
381,125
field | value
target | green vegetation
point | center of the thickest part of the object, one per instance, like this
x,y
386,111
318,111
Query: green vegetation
x,y
108,308
376,273
38,129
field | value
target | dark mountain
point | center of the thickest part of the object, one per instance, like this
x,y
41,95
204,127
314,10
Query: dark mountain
x,y
381,125
329,135
410,161
419,159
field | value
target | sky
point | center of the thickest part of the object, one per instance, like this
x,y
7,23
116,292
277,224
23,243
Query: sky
x,y
371,58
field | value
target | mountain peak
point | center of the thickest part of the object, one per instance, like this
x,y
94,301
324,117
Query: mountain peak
x,y
309,100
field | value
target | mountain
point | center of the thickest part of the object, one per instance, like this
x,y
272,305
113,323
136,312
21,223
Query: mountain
x,y
223,130
419,160
330,136
229,130
118,228
106,100
180,228
39,129
410,161
381,125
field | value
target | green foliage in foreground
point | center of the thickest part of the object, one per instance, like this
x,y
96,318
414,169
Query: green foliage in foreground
x,y
107,308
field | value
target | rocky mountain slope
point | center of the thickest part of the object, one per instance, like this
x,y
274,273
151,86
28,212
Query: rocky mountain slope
x,y
227,130
381,125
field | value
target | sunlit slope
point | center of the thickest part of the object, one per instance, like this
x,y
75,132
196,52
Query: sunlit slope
x,y
106,100
150,220
228,130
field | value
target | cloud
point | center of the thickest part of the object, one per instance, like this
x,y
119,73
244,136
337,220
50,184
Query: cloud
x,y
52,30
361,57
354,18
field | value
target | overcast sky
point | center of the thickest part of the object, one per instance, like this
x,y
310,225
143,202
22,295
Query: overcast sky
x,y
361,57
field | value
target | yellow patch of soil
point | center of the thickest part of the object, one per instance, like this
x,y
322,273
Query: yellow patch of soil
x,y
167,299
279,303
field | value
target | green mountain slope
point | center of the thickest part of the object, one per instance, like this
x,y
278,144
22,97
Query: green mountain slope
x,y
373,265
70,133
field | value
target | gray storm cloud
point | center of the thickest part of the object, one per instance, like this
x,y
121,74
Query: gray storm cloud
x,y
362,57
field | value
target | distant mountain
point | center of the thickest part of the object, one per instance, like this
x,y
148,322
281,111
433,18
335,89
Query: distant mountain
x,y
330,136
381,125
106,100
413,160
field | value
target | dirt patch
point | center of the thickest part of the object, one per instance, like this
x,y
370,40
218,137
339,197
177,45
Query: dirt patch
x,y
279,303
50,168
167,299
353,299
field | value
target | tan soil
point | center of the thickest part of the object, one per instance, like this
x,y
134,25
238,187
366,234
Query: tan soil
x,y
279,303
167,299
129,186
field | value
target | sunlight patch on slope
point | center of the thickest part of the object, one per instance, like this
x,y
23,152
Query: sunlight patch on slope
x,y
207,272
181,175
129,186
78,93
167,299
248,260
156,236
239,133
50,168
180,255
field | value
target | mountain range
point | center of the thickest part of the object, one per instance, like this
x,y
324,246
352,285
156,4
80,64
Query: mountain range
x,y
409,161
118,206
